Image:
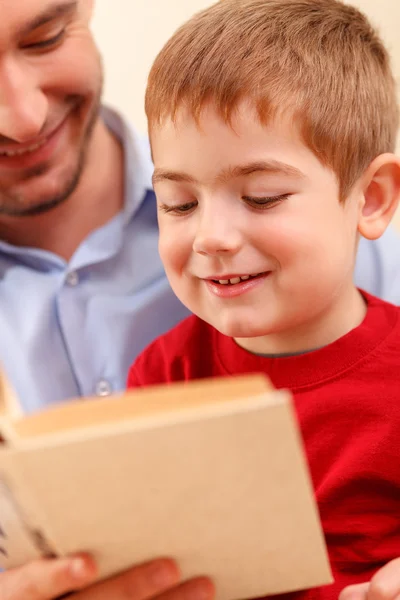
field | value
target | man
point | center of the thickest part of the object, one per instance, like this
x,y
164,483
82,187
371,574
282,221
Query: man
x,y
82,290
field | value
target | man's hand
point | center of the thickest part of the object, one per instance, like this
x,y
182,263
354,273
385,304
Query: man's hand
x,y
48,579
384,585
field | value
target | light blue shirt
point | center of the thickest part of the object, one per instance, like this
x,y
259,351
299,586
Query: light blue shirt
x,y
378,266
71,329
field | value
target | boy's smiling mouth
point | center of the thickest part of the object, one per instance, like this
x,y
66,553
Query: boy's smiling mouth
x,y
230,285
233,279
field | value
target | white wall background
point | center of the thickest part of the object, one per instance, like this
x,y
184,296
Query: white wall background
x,y
131,32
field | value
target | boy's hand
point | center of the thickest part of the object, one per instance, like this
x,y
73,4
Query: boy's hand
x,y
48,579
385,585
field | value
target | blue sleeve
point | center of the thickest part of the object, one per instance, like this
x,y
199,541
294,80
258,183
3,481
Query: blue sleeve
x,y
378,266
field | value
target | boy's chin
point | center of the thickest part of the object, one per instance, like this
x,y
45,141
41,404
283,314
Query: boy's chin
x,y
240,329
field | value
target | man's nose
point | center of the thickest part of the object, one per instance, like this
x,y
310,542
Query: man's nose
x,y
217,234
23,105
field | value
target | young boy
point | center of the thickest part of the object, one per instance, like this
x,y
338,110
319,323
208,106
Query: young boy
x,y
272,126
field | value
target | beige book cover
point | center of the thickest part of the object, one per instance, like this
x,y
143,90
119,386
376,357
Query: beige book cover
x,y
211,472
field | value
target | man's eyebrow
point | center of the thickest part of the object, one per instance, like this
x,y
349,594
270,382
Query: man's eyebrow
x,y
52,12
271,167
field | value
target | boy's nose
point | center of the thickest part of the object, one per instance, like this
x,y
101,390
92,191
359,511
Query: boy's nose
x,y
23,105
217,236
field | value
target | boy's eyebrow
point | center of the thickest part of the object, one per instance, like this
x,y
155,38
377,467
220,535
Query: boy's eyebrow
x,y
50,13
273,167
270,167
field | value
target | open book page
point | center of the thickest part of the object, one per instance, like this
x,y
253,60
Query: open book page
x,y
20,540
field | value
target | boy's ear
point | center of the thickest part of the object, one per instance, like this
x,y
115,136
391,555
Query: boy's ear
x,y
381,194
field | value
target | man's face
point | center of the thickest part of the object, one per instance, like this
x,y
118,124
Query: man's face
x,y
252,234
50,84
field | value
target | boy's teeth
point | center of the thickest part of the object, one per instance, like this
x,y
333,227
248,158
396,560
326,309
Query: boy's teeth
x,y
236,279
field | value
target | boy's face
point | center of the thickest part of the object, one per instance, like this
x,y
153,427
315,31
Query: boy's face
x,y
253,202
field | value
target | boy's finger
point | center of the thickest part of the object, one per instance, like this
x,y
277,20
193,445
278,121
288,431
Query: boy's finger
x,y
355,592
385,584
45,579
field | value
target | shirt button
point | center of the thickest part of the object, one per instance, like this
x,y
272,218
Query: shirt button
x,y
72,278
103,388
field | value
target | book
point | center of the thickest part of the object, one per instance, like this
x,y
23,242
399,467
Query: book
x,y
210,472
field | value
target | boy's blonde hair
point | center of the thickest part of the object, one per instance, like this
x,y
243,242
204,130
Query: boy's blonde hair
x,y
318,61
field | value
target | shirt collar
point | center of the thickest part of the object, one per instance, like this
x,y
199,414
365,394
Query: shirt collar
x,y
137,161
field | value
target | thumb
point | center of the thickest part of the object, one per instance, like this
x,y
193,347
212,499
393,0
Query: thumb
x,y
45,579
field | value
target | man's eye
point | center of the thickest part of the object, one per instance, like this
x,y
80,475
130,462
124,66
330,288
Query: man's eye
x,y
47,43
180,209
265,201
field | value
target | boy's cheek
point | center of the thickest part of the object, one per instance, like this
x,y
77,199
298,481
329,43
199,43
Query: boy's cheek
x,y
173,251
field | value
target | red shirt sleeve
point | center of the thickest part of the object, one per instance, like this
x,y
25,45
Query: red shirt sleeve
x,y
149,367
182,354
134,376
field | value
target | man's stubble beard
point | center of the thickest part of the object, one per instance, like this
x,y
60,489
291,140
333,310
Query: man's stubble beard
x,y
12,204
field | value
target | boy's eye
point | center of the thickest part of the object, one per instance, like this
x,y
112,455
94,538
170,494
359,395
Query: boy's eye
x,y
180,209
265,201
46,43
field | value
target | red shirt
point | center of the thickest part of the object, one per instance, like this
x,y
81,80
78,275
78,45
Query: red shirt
x,y
347,398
